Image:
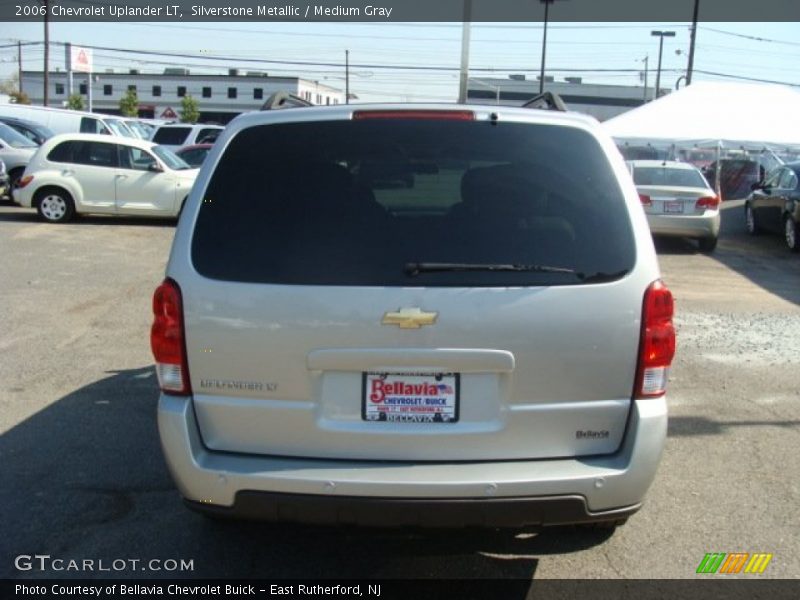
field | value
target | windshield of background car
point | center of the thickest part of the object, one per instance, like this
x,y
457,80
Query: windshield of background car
x,y
354,202
119,128
14,138
172,160
172,136
668,177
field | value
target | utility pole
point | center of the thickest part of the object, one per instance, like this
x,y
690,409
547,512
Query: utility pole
x,y
19,65
661,35
646,59
690,66
464,72
46,50
347,76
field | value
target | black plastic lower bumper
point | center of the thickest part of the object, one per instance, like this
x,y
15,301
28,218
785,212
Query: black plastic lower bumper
x,y
424,512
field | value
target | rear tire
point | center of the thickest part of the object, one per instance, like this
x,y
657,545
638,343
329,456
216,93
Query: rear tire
x,y
54,205
791,234
707,245
751,221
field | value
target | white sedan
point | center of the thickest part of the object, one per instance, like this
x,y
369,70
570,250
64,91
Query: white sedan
x,y
86,173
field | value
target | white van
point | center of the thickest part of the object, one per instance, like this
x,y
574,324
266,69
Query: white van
x,y
68,121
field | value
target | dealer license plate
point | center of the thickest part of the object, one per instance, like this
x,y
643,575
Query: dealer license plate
x,y
673,207
410,397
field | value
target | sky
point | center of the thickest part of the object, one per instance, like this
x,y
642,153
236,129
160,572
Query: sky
x,y
769,51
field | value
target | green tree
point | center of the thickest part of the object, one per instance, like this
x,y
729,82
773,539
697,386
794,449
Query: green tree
x,y
129,104
75,102
190,110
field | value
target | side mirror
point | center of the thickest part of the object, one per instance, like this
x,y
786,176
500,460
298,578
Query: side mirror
x,y
155,168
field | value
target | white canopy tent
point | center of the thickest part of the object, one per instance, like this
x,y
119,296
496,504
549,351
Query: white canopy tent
x,y
732,115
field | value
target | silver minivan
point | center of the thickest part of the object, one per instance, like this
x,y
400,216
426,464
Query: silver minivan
x,y
399,314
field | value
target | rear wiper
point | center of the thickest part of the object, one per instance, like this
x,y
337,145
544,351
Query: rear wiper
x,y
414,269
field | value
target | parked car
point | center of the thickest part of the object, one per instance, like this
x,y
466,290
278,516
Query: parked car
x,y
489,346
142,130
194,155
16,151
35,132
68,121
175,135
737,175
774,205
5,190
678,201
84,173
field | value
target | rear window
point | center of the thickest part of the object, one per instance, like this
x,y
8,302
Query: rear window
x,y
172,136
668,177
359,202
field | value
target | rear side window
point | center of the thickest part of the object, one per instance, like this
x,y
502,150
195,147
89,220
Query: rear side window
x,y
360,202
96,154
172,136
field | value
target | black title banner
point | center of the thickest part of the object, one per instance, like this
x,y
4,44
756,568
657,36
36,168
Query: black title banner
x,y
405,589
399,10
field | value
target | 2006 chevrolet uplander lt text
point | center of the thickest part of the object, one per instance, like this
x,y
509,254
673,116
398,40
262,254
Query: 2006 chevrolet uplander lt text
x,y
401,314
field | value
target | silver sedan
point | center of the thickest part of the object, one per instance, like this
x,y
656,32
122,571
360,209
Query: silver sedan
x,y
678,201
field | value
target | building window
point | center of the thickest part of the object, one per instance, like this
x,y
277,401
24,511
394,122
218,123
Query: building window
x,y
156,90
107,90
231,92
181,91
328,100
258,93
206,92
131,88
82,89
319,98
60,88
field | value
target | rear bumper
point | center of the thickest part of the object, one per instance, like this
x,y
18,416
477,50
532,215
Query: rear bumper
x,y
701,226
396,512
510,493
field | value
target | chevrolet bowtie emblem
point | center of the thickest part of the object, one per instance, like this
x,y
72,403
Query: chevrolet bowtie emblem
x,y
409,318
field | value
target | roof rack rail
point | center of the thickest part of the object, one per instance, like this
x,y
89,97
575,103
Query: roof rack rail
x,y
546,101
280,100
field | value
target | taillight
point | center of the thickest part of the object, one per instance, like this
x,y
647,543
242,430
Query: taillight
x,y
707,202
657,342
645,200
429,115
23,181
167,340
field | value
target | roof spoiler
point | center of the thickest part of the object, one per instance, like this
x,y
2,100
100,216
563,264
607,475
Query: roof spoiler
x,y
280,100
546,101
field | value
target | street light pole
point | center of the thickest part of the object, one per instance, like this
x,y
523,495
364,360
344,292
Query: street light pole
x,y
661,35
347,76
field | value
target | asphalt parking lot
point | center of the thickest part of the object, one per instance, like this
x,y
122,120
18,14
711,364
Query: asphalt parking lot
x,y
82,474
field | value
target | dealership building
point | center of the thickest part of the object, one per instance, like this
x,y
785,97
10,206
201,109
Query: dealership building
x,y
220,97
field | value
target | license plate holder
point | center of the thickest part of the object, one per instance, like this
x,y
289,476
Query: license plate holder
x,y
673,207
410,397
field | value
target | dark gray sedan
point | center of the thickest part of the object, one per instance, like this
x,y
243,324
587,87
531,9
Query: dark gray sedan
x,y
774,205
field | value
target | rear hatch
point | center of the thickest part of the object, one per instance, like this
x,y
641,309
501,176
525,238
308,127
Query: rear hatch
x,y
405,286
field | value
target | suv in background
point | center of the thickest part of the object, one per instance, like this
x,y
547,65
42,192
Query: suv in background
x,y
175,135
485,344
